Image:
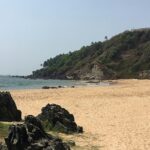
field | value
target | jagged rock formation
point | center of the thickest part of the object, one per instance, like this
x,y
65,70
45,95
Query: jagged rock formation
x,y
8,109
31,136
3,146
54,117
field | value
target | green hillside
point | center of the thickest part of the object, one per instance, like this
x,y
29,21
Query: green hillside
x,y
126,55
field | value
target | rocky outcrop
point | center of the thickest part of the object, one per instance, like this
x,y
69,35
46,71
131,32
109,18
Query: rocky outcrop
x,y
54,117
31,136
3,146
8,109
52,87
144,74
124,56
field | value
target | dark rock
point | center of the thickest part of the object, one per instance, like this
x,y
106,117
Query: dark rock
x,y
8,109
71,143
3,146
35,128
60,86
17,137
31,136
79,129
93,81
34,121
53,87
50,87
54,117
45,87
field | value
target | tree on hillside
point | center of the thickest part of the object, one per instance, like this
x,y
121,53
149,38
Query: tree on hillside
x,y
106,38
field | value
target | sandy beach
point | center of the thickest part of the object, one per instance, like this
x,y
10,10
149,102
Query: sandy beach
x,y
115,117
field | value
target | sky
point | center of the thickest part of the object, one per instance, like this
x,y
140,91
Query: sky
x,y
32,31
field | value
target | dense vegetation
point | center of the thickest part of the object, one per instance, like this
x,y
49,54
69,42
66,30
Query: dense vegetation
x,y
125,55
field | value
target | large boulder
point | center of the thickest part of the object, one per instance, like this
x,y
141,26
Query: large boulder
x,y
31,136
8,109
54,117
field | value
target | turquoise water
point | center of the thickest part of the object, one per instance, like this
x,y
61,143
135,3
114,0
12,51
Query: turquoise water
x,y
8,83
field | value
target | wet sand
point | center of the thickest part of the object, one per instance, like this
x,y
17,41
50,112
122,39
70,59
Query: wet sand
x,y
115,117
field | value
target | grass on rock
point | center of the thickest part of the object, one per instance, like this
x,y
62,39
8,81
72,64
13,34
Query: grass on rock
x,y
3,129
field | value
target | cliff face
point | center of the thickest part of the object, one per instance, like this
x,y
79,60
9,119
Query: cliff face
x,y
126,55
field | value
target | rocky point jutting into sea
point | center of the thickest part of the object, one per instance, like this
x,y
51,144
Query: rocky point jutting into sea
x,y
123,56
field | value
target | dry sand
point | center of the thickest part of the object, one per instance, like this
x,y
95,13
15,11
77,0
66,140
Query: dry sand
x,y
114,117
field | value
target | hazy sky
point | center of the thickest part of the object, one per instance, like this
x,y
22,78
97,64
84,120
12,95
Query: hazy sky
x,y
31,31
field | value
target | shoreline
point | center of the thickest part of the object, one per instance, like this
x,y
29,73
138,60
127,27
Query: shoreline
x,y
113,117
51,84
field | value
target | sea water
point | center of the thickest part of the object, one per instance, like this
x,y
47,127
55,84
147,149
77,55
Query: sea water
x,y
9,83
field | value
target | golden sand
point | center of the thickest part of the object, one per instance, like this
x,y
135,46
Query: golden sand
x,y
115,117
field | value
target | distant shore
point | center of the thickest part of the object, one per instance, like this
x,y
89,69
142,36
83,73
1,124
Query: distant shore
x,y
114,117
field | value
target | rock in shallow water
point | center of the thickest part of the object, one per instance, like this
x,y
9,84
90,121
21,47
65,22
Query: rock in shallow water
x,y
54,117
8,109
